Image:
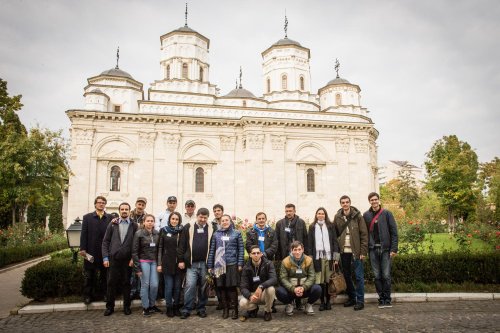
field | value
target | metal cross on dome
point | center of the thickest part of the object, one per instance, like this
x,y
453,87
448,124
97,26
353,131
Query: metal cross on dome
x,y
117,57
186,16
286,25
337,66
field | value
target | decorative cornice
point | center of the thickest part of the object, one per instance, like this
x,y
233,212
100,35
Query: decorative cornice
x,y
227,142
171,140
278,142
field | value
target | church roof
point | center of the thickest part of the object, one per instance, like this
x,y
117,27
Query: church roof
x,y
240,92
287,41
338,80
186,30
117,72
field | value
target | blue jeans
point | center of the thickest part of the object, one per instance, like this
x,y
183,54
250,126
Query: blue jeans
x,y
358,294
172,288
149,284
381,266
195,277
286,297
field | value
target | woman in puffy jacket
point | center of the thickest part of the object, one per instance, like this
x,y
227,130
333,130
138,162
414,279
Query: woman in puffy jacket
x,y
168,264
225,261
144,251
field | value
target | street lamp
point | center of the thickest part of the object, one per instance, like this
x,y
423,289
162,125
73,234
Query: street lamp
x,y
73,235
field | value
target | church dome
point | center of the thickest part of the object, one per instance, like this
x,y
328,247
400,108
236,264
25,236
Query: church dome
x,y
338,80
286,41
117,72
185,28
240,92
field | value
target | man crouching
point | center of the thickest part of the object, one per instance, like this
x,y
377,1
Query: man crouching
x,y
257,285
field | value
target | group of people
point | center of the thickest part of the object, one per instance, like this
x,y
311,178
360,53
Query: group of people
x,y
289,263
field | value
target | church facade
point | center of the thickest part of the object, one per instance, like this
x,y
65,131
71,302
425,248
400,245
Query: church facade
x,y
182,137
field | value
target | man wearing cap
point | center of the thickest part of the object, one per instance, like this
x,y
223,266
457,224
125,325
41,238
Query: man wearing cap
x,y
137,215
189,215
162,219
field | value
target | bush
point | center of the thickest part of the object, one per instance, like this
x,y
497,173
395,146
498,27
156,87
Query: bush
x,y
57,277
13,254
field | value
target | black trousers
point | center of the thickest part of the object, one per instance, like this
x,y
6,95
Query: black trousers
x,y
90,276
119,274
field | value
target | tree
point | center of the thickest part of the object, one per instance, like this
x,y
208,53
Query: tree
x,y
489,178
407,189
452,173
33,164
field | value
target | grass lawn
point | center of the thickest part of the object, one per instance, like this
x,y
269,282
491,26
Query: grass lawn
x,y
446,242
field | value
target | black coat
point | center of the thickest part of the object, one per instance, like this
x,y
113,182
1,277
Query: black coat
x,y
142,248
266,273
299,232
270,242
167,251
112,246
334,244
93,230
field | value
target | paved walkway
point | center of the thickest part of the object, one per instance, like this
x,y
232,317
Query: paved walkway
x,y
10,285
463,316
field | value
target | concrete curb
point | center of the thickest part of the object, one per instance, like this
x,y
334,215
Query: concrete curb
x,y
369,298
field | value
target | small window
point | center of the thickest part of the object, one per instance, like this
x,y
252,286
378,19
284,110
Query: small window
x,y
168,72
284,82
338,99
310,180
244,103
184,71
301,83
117,108
200,180
268,85
115,178
201,74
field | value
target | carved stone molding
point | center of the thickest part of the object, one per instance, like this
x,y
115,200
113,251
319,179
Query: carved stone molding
x,y
255,141
342,145
278,142
361,146
147,139
83,137
171,140
227,142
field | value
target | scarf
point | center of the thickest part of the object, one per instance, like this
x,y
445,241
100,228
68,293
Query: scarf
x,y
220,251
291,224
172,230
323,248
261,233
297,262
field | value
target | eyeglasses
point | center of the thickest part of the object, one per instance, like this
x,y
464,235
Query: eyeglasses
x,y
255,253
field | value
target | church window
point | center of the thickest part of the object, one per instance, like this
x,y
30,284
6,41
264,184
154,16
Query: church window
x,y
284,81
301,83
244,103
114,178
201,74
168,72
200,180
338,99
184,71
310,180
117,108
268,85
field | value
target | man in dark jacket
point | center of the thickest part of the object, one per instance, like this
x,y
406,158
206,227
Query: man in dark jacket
x,y
258,279
263,236
137,215
117,255
382,245
93,229
353,244
289,229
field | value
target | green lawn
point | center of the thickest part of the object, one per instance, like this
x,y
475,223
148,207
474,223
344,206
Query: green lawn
x,y
446,242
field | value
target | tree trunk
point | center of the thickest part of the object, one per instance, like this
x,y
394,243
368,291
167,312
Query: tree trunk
x,y
451,221
13,214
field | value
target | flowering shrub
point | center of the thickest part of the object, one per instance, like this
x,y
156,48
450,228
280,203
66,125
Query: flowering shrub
x,y
412,235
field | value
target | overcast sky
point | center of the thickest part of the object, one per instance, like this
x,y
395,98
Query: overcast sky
x,y
426,68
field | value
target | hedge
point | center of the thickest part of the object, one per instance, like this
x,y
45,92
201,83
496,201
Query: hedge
x,y
59,277
9,255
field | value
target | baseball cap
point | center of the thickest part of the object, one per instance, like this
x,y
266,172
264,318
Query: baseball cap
x,y
189,202
143,199
172,198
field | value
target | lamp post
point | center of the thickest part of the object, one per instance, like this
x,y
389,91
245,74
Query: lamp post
x,y
73,235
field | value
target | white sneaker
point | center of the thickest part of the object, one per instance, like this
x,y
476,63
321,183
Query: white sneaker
x,y
309,309
289,309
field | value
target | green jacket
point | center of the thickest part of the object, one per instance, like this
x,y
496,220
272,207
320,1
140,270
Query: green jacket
x,y
357,229
289,278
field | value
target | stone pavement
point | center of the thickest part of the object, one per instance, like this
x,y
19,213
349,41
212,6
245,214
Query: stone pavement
x,y
462,316
10,285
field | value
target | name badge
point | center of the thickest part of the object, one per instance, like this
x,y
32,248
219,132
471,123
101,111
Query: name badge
x,y
256,279
169,235
261,238
152,244
200,230
299,271
225,238
288,230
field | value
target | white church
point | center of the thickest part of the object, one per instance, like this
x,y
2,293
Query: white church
x,y
250,153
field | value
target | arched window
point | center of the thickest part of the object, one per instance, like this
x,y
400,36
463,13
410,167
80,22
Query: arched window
x,y
201,74
284,82
338,99
114,178
310,180
184,71
301,83
268,85
200,180
168,72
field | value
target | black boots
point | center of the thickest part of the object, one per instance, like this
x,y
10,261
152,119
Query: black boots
x,y
224,302
325,298
170,311
233,298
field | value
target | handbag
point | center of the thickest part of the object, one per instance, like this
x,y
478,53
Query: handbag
x,y
336,284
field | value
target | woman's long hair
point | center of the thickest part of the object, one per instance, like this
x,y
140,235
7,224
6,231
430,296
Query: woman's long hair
x,y
327,219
